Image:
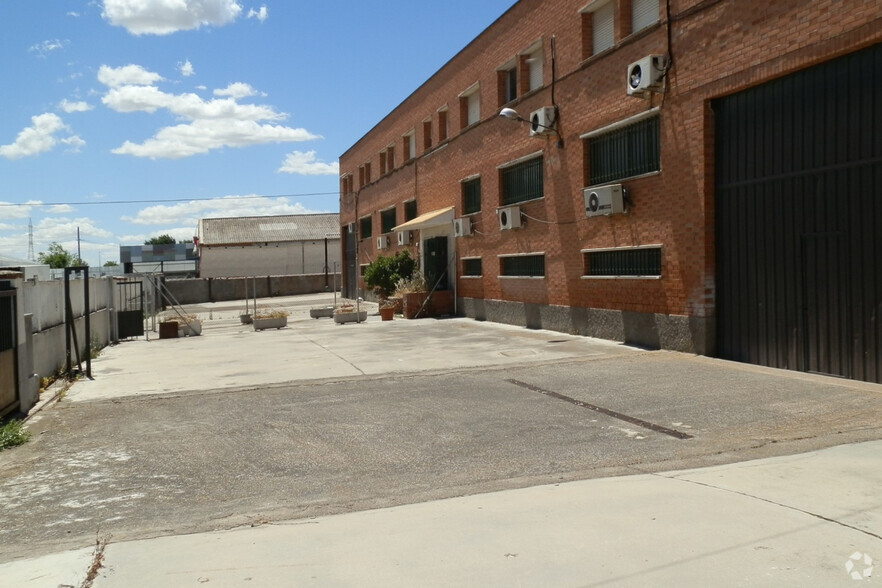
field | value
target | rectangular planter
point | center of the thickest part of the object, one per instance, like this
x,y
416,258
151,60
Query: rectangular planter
x,y
276,322
350,317
440,304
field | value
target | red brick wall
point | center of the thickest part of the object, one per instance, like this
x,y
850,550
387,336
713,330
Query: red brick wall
x,y
718,48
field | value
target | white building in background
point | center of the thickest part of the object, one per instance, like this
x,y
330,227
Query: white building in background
x,y
29,269
268,245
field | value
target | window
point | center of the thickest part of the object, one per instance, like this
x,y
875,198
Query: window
x,y
634,262
346,184
387,220
471,266
470,106
390,158
644,13
408,146
522,181
598,28
507,80
364,227
410,210
471,196
361,176
383,163
534,61
367,172
442,125
624,152
523,266
427,134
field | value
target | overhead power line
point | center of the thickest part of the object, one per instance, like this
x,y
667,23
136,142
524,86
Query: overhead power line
x,y
164,200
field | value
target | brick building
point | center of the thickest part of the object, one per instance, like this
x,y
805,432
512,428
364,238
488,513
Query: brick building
x,y
697,175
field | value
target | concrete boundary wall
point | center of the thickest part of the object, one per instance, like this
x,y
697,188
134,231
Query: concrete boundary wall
x,y
650,330
199,290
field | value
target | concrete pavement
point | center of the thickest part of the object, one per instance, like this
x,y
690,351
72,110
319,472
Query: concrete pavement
x,y
807,520
786,521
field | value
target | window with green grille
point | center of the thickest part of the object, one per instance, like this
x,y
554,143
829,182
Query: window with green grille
x,y
623,153
387,220
471,196
410,210
471,266
531,266
521,182
624,262
364,228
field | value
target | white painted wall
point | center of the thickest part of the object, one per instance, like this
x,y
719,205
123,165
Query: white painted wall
x,y
273,259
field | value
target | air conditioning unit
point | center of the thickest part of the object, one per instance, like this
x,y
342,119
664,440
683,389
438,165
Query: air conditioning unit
x,y
542,121
646,75
405,237
604,200
383,242
462,227
509,217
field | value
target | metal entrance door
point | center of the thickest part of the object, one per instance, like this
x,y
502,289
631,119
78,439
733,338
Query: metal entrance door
x,y
799,220
130,309
8,353
435,263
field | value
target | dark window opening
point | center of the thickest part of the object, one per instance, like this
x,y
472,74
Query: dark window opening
x,y
471,196
471,267
624,262
522,182
623,153
530,266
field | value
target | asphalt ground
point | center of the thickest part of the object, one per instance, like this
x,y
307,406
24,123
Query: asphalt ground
x,y
335,419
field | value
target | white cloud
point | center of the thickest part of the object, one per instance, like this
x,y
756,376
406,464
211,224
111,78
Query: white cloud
x,y
189,105
38,138
65,228
237,90
16,210
163,17
260,14
211,124
68,106
74,143
186,69
202,136
127,75
298,162
228,206
73,14
48,46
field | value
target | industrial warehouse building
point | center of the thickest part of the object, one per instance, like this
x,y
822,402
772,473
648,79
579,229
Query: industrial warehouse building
x,y
695,175
284,245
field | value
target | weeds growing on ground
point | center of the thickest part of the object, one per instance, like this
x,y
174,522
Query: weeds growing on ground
x,y
13,433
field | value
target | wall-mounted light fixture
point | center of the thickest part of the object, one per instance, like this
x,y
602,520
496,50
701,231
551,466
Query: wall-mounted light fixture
x,y
542,121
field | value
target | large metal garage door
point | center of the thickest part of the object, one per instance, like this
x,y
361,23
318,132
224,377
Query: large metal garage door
x,y
799,220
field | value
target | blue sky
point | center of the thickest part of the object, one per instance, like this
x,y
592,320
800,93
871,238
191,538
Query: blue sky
x,y
129,119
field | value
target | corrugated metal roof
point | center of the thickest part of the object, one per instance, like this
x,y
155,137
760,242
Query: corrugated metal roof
x,y
268,229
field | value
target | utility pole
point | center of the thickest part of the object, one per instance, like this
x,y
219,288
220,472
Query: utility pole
x,y
79,256
31,241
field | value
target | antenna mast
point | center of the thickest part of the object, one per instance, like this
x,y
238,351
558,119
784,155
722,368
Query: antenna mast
x,y
31,241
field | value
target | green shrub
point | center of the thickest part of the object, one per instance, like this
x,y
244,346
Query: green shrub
x,y
382,274
13,433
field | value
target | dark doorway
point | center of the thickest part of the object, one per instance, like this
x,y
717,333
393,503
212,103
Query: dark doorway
x,y
435,263
799,220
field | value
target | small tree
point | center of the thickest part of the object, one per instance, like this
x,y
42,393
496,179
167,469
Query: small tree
x,y
110,263
383,273
58,257
165,239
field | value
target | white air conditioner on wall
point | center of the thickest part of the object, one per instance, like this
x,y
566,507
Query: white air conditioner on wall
x,y
404,237
383,242
647,74
509,217
462,227
604,200
542,121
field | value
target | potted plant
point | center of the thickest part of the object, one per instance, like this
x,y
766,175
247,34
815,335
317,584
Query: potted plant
x,y
413,293
270,319
387,309
382,274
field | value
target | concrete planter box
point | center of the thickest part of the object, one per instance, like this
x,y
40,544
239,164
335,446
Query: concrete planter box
x,y
276,322
326,312
350,317
440,304
191,329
